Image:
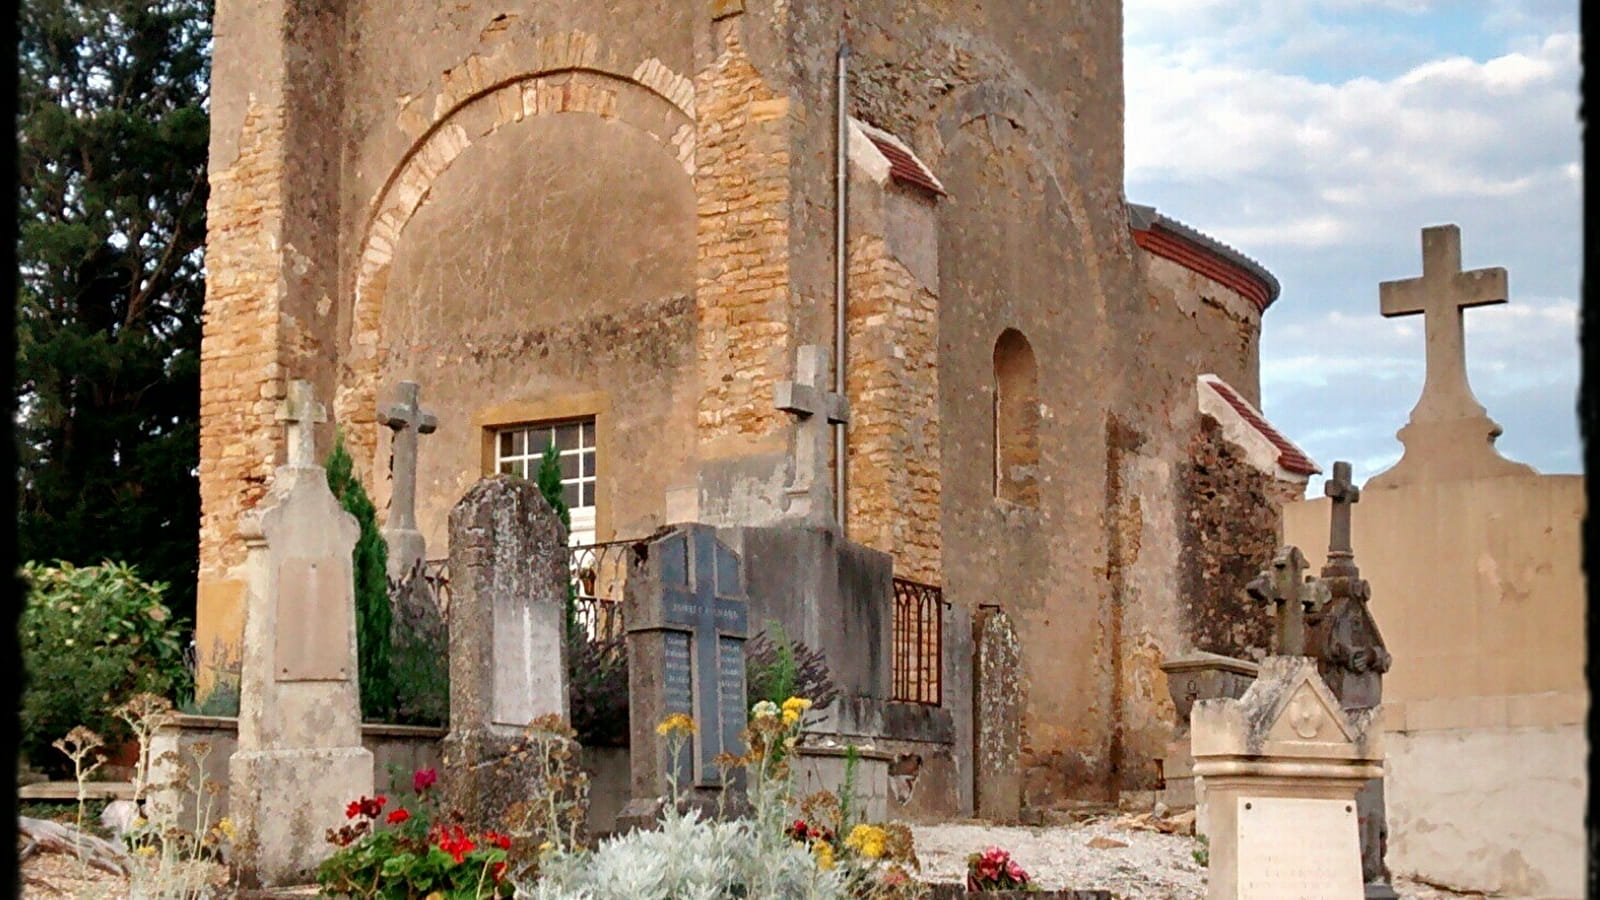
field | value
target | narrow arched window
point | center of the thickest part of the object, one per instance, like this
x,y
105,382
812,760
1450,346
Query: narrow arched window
x,y
1016,420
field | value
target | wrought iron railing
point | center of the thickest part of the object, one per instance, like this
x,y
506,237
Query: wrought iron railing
x,y
918,642
598,574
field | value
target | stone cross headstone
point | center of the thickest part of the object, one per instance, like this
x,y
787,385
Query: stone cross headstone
x,y
687,616
810,490
1351,658
407,420
418,626
1449,435
299,758
508,659
1282,766
1291,597
998,693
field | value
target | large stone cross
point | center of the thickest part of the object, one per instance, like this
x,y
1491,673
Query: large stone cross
x,y
407,420
1343,492
1450,436
1440,295
1292,596
707,618
301,412
810,492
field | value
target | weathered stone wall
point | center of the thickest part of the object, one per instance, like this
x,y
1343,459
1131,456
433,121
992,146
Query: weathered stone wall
x,y
1230,525
1214,328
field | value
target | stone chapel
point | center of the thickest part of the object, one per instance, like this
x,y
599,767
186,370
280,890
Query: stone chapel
x,y
615,226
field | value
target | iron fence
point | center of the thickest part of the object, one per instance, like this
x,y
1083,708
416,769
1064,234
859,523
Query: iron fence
x,y
918,642
598,574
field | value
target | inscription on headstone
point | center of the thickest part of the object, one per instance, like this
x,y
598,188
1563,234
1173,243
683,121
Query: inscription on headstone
x,y
1296,848
311,634
687,618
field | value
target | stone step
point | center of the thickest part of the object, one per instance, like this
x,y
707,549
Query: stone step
x,y
68,790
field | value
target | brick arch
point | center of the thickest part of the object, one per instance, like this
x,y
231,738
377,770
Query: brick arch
x,y
654,101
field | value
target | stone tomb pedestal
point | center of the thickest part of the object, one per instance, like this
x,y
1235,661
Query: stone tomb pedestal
x,y
508,576
1191,678
299,758
1282,766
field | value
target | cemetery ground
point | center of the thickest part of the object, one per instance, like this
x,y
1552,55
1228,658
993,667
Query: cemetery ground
x,y
1123,851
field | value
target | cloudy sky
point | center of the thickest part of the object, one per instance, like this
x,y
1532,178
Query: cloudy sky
x,y
1319,137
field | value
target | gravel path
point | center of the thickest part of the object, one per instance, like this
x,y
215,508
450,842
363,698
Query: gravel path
x,y
1152,865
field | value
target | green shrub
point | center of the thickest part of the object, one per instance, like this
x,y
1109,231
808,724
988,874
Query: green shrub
x,y
91,636
777,668
370,559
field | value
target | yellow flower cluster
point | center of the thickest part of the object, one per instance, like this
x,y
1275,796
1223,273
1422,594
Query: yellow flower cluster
x,y
868,840
225,826
794,708
823,851
677,723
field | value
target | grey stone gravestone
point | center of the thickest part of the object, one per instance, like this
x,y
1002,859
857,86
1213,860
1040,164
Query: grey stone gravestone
x,y
1352,658
687,616
299,758
508,577
997,716
417,635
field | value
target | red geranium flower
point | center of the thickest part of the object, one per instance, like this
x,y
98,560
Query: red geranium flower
x,y
456,843
499,840
398,816
424,779
353,810
497,871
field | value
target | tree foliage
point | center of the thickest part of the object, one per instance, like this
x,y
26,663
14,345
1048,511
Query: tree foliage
x,y
112,134
370,561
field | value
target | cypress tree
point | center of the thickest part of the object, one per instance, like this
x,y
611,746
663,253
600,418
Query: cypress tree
x,y
370,560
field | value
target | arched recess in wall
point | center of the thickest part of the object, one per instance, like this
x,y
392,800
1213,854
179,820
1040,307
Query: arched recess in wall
x,y
654,102
1016,420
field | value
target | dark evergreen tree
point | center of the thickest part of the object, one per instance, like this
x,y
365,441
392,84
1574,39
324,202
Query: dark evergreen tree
x,y
112,132
374,615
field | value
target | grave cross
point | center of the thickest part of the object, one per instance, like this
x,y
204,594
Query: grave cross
x,y
807,397
1343,492
701,595
1292,597
408,420
1440,295
301,412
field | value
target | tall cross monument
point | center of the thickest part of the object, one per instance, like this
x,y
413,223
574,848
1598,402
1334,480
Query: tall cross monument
x,y
406,418
1450,436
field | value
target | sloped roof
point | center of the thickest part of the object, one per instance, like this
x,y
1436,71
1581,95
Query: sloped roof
x,y
1290,457
905,167
1193,249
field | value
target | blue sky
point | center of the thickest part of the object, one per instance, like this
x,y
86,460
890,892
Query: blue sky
x,y
1319,137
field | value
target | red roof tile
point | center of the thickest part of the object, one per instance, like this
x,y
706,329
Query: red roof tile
x,y
905,168
1290,457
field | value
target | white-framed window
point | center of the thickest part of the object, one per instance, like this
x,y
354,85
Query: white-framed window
x,y
519,450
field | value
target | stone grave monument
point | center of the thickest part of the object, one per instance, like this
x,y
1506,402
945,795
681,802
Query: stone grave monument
x,y
687,618
1193,677
299,758
998,703
1351,657
1282,765
508,663
406,545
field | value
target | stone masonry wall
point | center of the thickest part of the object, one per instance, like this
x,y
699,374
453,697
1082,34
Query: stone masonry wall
x,y
742,183
893,384
1230,525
